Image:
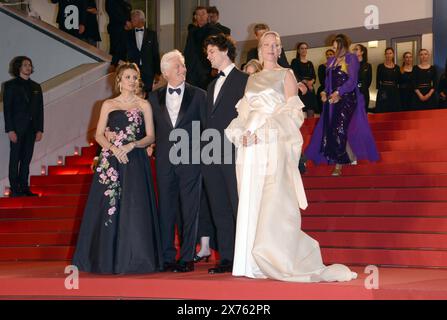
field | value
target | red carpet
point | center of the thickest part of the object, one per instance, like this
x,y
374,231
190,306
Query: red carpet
x,y
392,213
37,280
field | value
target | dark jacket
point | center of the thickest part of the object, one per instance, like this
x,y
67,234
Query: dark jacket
x,y
22,109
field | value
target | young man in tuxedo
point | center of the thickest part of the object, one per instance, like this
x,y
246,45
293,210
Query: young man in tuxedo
x,y
142,49
23,110
177,110
220,175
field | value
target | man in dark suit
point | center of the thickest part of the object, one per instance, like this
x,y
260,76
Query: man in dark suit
x,y
213,17
177,111
119,22
199,68
259,30
23,110
71,16
142,49
218,166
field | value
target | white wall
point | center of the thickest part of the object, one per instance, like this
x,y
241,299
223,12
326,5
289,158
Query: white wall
x,y
167,18
301,16
50,57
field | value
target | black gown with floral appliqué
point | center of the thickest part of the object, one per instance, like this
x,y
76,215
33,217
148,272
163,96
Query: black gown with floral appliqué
x,y
120,230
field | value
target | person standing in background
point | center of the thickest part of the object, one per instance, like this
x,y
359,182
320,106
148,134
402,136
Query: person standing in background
x,y
23,111
213,17
387,82
365,72
143,50
67,13
406,82
322,78
259,29
443,89
198,67
119,23
425,82
305,73
91,34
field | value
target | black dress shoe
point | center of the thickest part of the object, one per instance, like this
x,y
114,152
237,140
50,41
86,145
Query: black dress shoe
x,y
198,258
224,266
28,193
15,194
169,266
183,266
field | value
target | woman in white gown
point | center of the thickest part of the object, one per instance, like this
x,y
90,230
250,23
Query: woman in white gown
x,y
269,239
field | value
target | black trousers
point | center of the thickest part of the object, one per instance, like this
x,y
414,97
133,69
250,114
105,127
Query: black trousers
x,y
179,199
221,189
20,158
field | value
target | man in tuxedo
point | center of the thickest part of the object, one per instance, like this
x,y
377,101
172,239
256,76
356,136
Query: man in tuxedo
x,y
142,49
119,22
219,171
259,30
177,111
67,13
213,17
23,111
199,68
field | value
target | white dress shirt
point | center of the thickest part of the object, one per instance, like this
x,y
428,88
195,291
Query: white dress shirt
x,y
139,37
221,80
174,102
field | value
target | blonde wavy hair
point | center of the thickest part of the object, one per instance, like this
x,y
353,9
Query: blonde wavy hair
x,y
119,75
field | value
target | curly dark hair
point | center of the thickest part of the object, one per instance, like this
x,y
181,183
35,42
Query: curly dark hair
x,y
17,63
223,42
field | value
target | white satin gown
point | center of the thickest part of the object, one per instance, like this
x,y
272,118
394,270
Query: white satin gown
x,y
269,240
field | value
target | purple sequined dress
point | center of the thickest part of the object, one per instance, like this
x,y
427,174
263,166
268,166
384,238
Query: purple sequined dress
x,y
344,122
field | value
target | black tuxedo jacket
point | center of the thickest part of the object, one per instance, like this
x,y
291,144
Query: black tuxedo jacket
x,y
21,110
149,54
219,115
192,108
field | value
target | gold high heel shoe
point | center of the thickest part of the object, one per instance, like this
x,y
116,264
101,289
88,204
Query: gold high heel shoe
x,y
337,171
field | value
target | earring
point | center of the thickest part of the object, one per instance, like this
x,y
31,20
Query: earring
x,y
119,86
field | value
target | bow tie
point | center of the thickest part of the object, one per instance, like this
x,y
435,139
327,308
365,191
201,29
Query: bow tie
x,y
139,30
178,90
221,74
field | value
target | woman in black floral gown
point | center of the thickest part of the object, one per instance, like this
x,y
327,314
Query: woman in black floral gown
x,y
120,231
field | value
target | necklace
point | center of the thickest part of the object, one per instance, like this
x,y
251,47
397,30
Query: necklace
x,y
128,100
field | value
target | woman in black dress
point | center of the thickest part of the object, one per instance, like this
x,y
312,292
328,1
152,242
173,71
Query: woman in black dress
x,y
365,72
388,77
305,72
406,82
322,78
120,230
443,89
425,82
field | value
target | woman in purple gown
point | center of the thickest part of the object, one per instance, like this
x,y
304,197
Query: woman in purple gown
x,y
342,135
